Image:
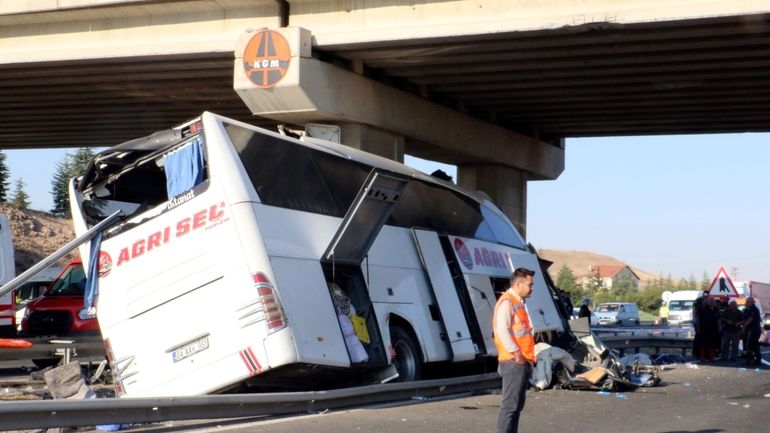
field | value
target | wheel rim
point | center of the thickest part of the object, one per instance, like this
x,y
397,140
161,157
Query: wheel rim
x,y
405,360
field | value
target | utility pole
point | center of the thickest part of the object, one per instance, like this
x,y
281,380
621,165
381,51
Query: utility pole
x,y
734,272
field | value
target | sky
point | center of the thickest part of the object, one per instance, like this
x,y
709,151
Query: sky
x,y
670,205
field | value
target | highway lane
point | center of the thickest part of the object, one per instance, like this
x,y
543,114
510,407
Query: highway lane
x,y
692,398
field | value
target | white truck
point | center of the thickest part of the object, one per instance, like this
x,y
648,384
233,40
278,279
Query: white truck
x,y
7,272
219,274
759,291
680,306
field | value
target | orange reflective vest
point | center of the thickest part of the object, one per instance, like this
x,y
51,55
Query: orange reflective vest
x,y
521,330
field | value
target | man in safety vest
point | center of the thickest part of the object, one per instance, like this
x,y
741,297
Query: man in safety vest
x,y
515,348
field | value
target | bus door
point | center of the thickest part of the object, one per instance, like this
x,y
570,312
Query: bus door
x,y
451,296
482,296
350,245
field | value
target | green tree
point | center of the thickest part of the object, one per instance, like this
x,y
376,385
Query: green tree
x,y
705,281
4,178
20,197
59,188
565,279
595,283
72,165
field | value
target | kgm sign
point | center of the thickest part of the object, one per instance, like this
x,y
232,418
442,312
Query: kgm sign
x,y
266,58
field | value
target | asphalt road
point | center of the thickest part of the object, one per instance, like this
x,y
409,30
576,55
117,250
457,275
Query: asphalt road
x,y
702,399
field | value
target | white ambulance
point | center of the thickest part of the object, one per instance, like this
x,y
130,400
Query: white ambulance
x,y
7,272
219,273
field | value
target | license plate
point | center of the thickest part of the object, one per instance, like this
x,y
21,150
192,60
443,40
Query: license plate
x,y
191,349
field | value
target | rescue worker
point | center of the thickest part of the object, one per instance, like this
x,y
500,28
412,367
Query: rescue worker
x,y
732,321
663,314
584,310
752,329
515,348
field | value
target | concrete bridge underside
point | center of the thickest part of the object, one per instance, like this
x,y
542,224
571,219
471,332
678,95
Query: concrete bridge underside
x,y
504,82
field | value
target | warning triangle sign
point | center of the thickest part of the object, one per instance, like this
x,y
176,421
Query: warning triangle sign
x,y
723,285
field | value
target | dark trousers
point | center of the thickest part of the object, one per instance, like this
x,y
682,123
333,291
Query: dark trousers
x,y
515,381
752,345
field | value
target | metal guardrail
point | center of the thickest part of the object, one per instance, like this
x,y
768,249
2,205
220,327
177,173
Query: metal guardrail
x,y
72,413
622,343
624,339
84,348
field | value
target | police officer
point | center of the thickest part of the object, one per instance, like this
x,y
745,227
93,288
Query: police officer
x,y
515,348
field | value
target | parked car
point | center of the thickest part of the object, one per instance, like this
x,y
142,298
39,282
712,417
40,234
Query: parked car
x,y
33,288
618,314
594,320
766,320
58,312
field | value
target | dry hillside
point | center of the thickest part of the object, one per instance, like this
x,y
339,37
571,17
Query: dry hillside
x,y
579,261
36,235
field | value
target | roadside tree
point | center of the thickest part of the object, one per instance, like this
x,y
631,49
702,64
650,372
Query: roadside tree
x,y
4,177
72,165
20,196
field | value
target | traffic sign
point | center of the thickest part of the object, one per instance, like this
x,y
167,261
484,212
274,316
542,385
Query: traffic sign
x,y
722,285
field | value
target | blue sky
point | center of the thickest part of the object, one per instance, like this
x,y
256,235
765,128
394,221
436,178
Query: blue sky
x,y
678,205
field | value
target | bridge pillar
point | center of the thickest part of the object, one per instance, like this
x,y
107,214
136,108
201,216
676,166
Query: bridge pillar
x,y
277,76
506,186
373,140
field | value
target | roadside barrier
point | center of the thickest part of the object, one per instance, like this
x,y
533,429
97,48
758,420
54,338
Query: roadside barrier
x,y
75,413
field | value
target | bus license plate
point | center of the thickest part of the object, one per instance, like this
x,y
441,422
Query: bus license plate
x,y
190,349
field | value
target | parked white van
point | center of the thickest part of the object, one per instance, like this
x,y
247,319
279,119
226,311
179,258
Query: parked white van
x,y
618,314
680,306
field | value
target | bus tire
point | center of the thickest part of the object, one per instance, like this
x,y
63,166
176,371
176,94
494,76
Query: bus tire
x,y
407,359
45,362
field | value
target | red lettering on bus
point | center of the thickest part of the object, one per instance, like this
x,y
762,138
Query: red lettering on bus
x,y
182,227
477,257
153,241
199,219
123,256
485,255
216,211
137,249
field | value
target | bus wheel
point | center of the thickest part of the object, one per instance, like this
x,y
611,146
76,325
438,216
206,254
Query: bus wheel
x,y
407,359
45,362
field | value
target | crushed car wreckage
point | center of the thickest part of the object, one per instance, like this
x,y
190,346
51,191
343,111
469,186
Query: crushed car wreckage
x,y
583,362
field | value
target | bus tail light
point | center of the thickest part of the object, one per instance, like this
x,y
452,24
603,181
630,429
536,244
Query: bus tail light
x,y
270,304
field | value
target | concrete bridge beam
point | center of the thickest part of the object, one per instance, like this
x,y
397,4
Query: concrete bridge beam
x,y
506,186
316,91
387,121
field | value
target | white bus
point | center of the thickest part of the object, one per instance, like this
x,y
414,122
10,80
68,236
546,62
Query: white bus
x,y
219,274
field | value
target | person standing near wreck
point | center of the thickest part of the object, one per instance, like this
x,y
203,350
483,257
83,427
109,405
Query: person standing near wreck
x,y
515,348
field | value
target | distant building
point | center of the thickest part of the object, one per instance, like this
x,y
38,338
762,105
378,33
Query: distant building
x,y
611,274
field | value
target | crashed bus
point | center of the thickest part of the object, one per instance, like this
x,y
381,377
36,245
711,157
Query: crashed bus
x,y
236,245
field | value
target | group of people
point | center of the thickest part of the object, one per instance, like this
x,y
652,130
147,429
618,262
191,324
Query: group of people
x,y
566,307
719,328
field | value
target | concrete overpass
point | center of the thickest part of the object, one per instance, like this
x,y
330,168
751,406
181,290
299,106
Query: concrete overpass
x,y
491,86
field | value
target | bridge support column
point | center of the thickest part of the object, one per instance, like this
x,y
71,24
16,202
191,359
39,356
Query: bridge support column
x,y
373,140
506,186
